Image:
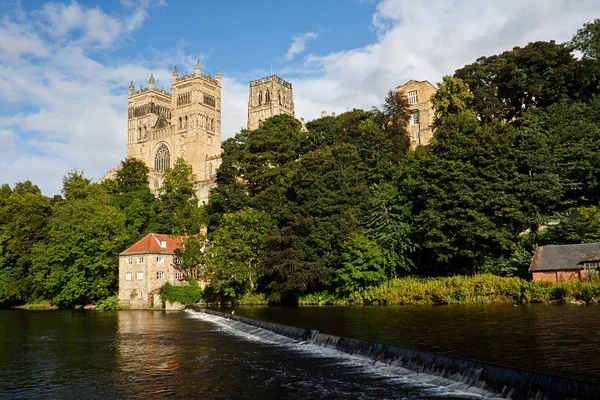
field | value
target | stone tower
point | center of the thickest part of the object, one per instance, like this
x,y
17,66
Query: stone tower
x,y
268,97
419,95
186,123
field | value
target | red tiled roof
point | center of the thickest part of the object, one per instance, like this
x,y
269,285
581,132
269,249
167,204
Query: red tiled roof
x,y
155,243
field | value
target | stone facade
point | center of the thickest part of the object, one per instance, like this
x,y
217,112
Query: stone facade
x,y
145,267
419,99
269,96
185,122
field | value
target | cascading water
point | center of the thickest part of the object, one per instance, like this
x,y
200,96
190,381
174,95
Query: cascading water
x,y
504,381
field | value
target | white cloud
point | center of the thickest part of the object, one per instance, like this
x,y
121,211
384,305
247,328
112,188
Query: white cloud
x,y
298,45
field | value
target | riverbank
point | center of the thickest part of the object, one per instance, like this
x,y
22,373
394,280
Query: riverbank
x,y
478,289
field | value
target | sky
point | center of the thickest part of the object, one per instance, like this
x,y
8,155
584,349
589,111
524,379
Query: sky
x,y
65,65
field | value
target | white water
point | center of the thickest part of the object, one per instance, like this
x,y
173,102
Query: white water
x,y
427,384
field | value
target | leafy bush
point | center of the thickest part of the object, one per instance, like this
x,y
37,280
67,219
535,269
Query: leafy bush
x,y
109,304
188,294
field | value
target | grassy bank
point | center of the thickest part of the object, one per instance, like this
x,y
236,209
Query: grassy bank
x,y
478,289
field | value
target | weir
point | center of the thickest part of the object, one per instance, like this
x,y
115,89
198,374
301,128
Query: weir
x,y
511,382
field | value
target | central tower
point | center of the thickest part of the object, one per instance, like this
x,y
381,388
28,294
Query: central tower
x,y
269,96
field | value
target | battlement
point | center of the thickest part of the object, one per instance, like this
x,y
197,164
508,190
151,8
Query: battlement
x,y
188,77
271,78
149,90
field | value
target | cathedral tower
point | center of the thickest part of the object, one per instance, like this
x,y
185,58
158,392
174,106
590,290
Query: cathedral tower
x,y
185,123
268,97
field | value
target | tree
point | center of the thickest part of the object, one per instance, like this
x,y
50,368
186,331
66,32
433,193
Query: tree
x,y
237,246
388,225
587,40
452,97
24,215
393,118
77,264
362,266
179,212
76,185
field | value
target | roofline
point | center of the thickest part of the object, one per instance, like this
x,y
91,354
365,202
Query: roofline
x,y
413,80
127,253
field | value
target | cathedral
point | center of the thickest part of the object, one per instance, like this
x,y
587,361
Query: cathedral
x,y
186,122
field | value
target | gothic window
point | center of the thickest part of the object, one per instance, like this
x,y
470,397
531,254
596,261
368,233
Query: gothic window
x,y
267,97
209,140
212,124
185,124
259,98
209,168
180,123
139,133
279,98
162,160
145,132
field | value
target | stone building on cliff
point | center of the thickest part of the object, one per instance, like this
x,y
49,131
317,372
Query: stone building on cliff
x,y
185,122
421,111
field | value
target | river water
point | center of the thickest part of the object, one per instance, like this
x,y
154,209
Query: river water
x,y
153,354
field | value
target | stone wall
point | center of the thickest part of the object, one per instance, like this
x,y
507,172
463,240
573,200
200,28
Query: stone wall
x,y
419,130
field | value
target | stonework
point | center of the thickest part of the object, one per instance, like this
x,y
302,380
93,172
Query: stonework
x,y
269,96
419,99
186,122
145,267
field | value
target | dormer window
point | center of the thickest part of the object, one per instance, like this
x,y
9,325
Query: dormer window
x,y
163,244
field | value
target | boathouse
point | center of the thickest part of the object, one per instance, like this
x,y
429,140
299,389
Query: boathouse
x,y
565,262
145,267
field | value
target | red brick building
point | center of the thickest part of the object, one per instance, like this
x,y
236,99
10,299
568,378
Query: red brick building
x,y
557,263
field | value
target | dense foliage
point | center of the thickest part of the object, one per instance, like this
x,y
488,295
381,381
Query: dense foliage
x,y
342,205
65,249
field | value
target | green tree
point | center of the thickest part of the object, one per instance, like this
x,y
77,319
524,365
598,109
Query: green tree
x,y
24,215
237,246
77,264
179,212
452,97
362,266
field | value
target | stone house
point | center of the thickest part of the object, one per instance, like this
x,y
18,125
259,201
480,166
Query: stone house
x,y
145,267
421,111
557,263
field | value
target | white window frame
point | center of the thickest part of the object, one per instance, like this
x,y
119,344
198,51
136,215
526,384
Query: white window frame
x,y
179,275
140,260
140,276
417,136
160,259
414,118
412,97
160,275
128,276
129,260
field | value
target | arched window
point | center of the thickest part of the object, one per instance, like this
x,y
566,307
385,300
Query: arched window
x,y
212,124
279,98
210,168
145,132
259,98
162,160
267,97
185,124
210,140
139,133
180,123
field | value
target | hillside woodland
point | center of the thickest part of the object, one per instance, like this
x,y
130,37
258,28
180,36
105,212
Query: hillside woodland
x,y
347,205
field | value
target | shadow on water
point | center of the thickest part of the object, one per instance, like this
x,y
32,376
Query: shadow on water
x,y
510,382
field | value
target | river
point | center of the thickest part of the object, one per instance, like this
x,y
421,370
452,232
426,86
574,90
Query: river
x,y
153,354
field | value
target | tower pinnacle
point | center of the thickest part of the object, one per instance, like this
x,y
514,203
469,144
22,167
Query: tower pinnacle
x,y
198,68
151,82
175,74
131,88
218,76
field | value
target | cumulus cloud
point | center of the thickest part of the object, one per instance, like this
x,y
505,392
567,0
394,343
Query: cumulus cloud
x,y
298,45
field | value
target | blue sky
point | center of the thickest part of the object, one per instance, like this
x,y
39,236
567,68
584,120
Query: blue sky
x,y
65,65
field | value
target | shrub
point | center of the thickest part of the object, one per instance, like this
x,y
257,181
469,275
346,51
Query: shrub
x,y
109,304
188,294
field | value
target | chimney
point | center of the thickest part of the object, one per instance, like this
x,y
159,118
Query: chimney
x,y
323,114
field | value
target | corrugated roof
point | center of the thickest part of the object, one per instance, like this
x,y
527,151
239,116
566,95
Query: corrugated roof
x,y
155,243
563,257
